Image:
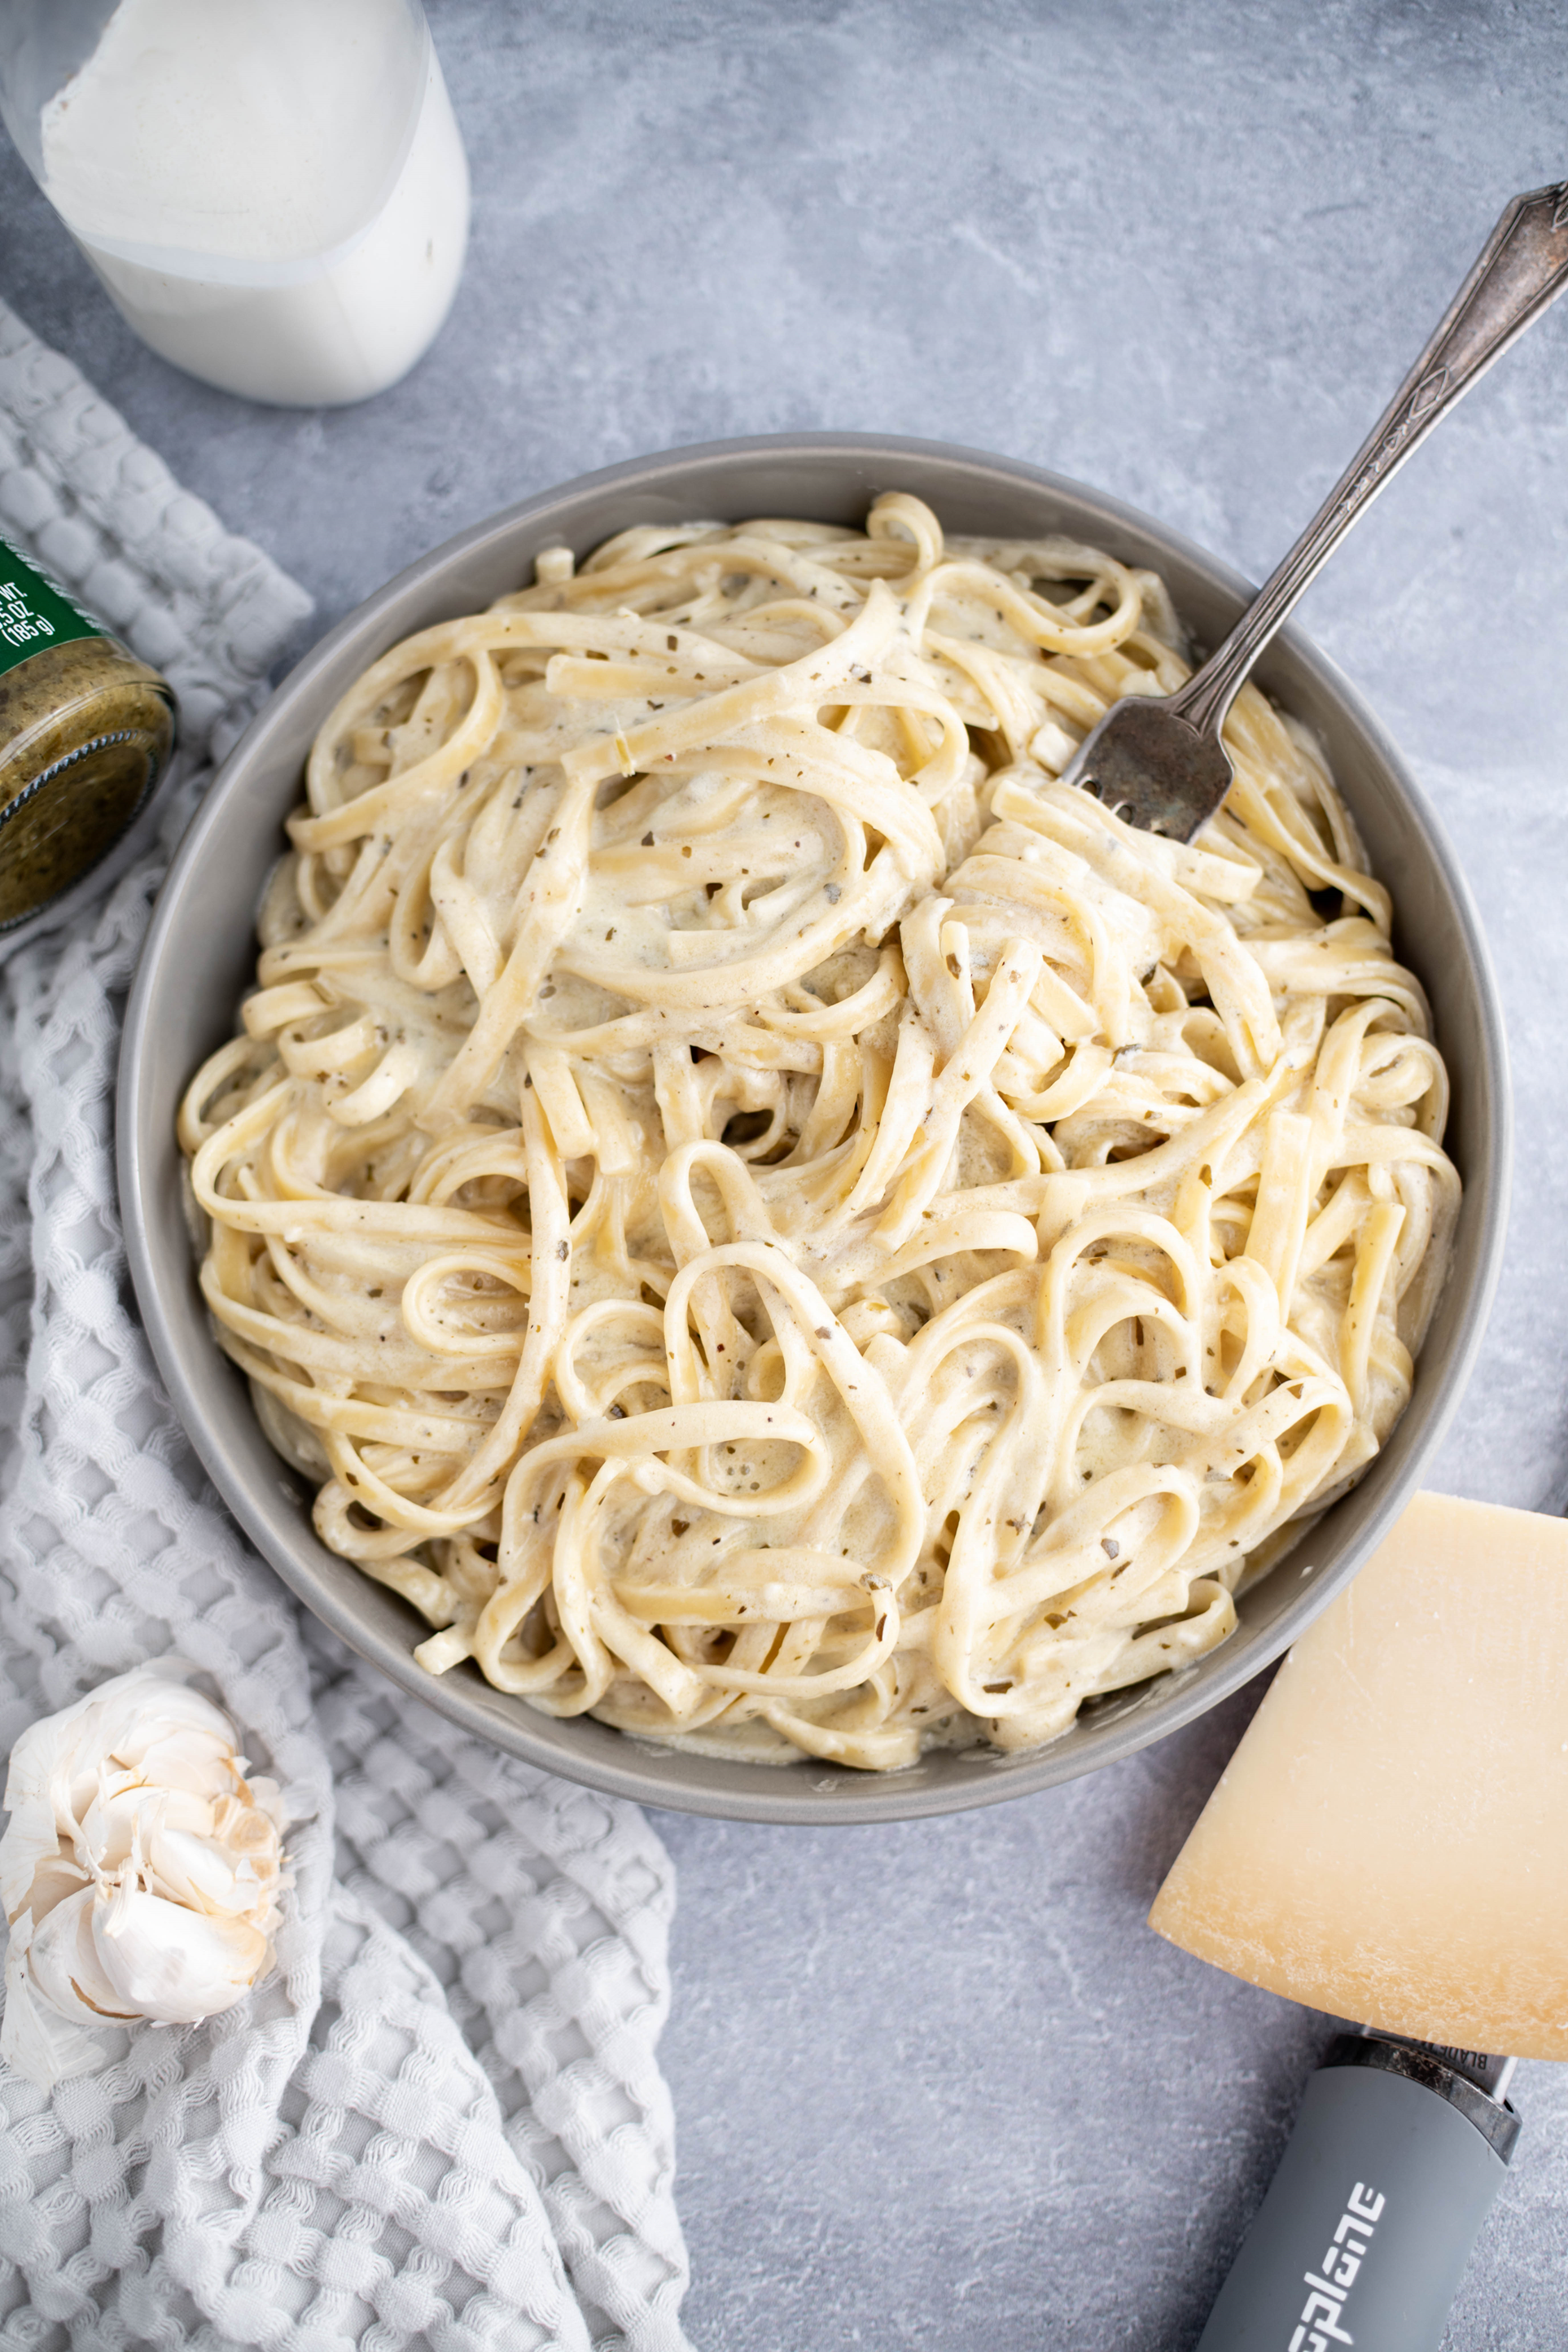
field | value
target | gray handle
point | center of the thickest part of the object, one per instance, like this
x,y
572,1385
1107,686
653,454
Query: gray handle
x,y
1366,2229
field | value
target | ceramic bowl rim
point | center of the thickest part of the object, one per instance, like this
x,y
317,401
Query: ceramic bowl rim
x,y
810,1792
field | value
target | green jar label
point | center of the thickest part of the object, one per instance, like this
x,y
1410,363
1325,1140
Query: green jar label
x,y
33,613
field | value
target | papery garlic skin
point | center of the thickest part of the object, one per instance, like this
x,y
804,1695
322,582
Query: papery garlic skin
x,y
140,1872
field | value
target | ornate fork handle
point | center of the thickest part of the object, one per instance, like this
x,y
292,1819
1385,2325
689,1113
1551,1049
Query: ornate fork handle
x,y
1525,264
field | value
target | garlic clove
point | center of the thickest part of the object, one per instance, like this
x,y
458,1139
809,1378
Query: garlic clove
x,y
172,1963
34,2039
31,1844
56,1876
66,1968
207,1875
253,1832
107,1828
188,1757
139,1722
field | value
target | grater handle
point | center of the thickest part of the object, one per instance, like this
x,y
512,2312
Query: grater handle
x,y
1367,2226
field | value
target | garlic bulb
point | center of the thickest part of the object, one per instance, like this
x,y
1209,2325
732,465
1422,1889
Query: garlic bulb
x,y
139,1873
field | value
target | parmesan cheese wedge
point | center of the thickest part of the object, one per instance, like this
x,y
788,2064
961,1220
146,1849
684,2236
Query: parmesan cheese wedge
x,y
1390,1840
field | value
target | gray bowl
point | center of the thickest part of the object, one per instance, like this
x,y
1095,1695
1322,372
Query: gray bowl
x,y
199,957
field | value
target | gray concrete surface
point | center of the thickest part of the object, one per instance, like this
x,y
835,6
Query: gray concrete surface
x,y
936,2085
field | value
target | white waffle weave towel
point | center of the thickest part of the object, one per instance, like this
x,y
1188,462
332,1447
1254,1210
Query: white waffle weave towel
x,y
441,2120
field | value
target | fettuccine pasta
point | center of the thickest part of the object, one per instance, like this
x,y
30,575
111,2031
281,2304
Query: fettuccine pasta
x,y
769,1219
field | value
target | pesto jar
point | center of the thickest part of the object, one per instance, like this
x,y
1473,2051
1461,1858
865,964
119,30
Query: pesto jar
x,y
86,733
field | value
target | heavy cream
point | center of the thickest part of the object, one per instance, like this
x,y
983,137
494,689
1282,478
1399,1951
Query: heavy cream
x,y
277,201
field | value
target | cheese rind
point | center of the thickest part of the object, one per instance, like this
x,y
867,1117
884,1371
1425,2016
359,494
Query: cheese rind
x,y
1390,1840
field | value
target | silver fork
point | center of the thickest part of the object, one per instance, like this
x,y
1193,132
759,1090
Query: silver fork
x,y
1158,761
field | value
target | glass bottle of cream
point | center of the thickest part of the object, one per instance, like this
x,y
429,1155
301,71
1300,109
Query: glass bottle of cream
x,y
274,192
